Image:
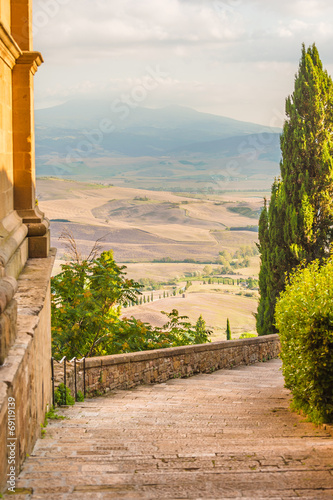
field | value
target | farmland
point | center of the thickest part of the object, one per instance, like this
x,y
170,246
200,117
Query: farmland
x,y
145,227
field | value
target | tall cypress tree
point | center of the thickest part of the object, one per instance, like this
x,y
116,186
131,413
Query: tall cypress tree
x,y
298,226
228,330
307,162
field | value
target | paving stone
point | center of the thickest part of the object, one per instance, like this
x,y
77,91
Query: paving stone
x,y
225,435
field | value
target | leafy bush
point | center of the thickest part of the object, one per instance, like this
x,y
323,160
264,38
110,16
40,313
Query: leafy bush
x,y
59,396
86,300
130,334
247,335
80,396
86,307
52,415
304,318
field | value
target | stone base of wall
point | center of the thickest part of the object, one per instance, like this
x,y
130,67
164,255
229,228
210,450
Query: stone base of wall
x,y
123,371
25,376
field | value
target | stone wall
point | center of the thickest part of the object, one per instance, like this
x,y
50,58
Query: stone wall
x,y
25,346
26,372
123,371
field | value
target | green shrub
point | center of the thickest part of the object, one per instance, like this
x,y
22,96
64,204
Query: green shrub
x,y
80,396
247,335
59,396
304,318
52,415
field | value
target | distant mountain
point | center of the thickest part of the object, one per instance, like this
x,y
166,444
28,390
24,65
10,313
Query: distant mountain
x,y
265,146
88,114
144,132
84,137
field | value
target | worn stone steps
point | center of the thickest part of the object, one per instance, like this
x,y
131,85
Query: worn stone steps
x,y
225,435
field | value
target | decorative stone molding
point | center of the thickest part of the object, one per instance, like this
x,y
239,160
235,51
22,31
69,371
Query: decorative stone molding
x,y
38,232
12,235
30,59
9,50
8,287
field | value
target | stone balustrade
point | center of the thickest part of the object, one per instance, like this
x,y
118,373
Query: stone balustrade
x,y
123,371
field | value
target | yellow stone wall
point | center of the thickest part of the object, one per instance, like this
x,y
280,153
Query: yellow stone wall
x,y
25,260
15,38
6,141
5,13
21,22
18,65
7,59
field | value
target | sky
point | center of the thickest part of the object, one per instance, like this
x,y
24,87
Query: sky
x,y
235,58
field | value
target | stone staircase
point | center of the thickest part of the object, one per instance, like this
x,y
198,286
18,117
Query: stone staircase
x,y
225,435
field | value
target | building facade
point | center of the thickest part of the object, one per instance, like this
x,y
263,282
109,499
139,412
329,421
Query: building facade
x,y
25,256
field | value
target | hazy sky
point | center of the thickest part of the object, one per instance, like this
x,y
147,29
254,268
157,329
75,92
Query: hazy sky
x,y
235,58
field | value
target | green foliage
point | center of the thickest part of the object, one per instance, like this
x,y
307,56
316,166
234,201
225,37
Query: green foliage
x,y
59,396
201,330
52,415
207,270
298,225
304,317
141,198
247,335
86,300
251,283
80,396
188,284
133,335
240,259
228,331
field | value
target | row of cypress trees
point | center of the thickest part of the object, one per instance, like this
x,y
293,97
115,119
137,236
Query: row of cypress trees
x,y
296,227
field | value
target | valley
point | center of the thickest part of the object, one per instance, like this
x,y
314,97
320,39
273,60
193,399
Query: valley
x,y
170,191
145,228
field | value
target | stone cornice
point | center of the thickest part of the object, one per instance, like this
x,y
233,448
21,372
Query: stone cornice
x,y
12,235
8,287
11,53
36,222
9,50
31,59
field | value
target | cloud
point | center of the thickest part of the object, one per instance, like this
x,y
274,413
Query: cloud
x,y
207,47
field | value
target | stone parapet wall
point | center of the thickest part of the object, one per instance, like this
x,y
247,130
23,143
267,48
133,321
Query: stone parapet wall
x,y
123,371
26,372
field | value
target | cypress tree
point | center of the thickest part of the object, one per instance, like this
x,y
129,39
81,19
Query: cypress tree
x,y
307,163
228,331
298,225
264,274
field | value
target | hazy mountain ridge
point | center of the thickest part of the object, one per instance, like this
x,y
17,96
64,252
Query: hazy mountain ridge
x,y
87,138
79,114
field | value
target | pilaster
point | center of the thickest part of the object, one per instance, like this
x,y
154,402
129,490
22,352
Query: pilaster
x,y
24,154
21,22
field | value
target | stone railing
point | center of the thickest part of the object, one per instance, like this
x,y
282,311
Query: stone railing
x,y
123,371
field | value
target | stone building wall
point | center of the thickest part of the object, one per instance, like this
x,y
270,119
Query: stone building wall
x,y
25,261
124,371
